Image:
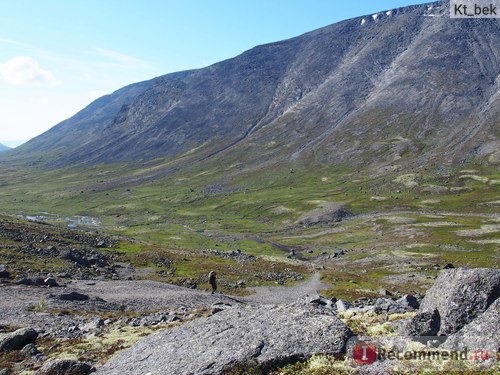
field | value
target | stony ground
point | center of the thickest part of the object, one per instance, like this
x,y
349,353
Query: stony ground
x,y
42,306
91,320
87,302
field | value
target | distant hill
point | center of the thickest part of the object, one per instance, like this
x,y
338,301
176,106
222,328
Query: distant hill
x,y
4,148
409,85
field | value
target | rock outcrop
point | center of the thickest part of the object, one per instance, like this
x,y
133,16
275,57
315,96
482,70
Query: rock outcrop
x,y
480,334
460,295
4,273
262,336
18,339
334,92
425,323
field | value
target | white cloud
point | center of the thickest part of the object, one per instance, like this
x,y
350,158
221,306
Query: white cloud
x,y
120,58
24,71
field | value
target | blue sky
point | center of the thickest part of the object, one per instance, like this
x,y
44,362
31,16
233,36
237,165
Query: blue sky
x,y
56,56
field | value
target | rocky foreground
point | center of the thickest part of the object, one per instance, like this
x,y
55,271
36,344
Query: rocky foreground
x,y
145,327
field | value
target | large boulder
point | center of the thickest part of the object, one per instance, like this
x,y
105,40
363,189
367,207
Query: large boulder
x,y
425,323
460,295
65,367
18,339
4,273
50,281
34,281
264,336
389,306
73,296
479,335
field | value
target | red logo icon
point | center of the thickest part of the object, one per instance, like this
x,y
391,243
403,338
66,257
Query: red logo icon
x,y
364,353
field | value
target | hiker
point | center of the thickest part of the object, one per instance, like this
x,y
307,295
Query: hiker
x,y
212,280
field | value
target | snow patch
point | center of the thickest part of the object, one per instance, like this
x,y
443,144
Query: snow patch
x,y
375,16
388,13
363,21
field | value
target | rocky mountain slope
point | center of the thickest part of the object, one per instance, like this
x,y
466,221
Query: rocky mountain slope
x,y
3,148
375,89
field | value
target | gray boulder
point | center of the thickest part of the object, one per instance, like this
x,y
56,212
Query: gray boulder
x,y
220,306
425,323
65,367
387,305
460,295
341,305
264,336
480,334
34,281
18,339
409,302
30,350
50,281
73,296
384,293
93,326
4,273
320,301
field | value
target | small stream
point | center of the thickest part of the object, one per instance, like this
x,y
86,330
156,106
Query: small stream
x,y
73,222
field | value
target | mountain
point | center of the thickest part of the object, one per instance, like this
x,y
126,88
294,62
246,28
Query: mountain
x,y
410,86
366,151
4,148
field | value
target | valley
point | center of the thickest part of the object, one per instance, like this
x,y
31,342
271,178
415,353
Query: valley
x,y
359,161
342,233
395,230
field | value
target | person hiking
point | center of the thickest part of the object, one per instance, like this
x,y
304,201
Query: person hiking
x,y
212,280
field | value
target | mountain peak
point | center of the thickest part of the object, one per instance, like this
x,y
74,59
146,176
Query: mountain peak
x,y
401,85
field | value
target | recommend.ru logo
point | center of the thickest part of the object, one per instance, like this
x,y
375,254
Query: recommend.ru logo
x,y
370,350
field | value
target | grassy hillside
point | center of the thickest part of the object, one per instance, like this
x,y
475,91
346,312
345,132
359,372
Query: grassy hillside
x,y
398,230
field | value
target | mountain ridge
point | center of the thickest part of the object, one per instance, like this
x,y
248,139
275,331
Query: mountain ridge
x,y
333,94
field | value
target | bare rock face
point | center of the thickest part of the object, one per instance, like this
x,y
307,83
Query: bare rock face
x,y
480,334
334,92
460,295
263,336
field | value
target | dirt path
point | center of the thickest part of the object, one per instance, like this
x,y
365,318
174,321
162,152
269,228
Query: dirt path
x,y
17,301
39,307
282,295
147,295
